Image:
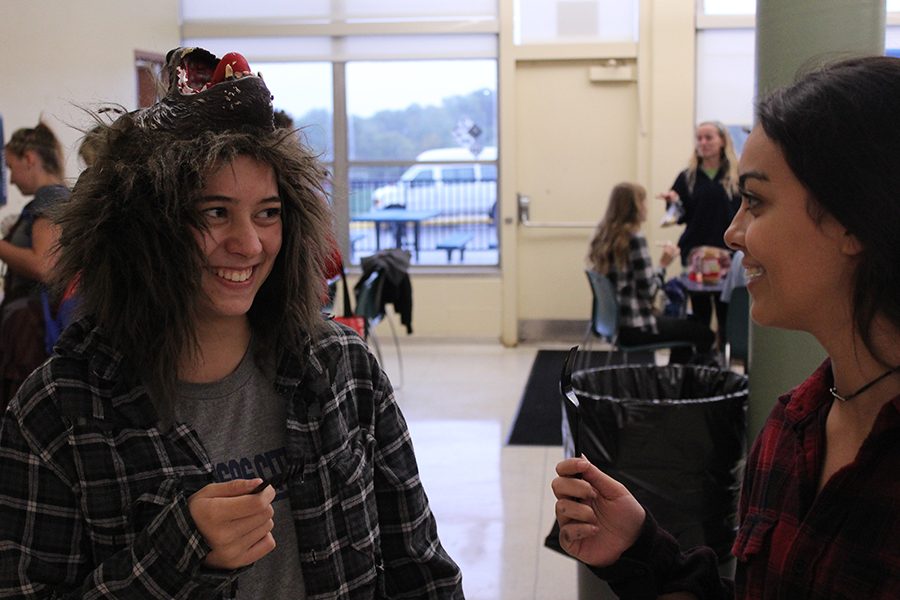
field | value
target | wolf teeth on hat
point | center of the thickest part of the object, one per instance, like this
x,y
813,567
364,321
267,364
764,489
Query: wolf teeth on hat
x,y
207,93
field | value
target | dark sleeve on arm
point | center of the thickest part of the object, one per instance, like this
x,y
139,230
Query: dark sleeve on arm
x,y
681,188
655,565
47,547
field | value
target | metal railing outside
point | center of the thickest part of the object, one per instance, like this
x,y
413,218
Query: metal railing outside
x,y
463,199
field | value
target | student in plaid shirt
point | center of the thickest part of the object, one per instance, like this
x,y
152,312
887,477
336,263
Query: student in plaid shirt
x,y
619,251
818,225
202,431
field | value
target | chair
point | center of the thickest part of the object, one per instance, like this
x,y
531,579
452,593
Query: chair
x,y
605,320
737,327
369,306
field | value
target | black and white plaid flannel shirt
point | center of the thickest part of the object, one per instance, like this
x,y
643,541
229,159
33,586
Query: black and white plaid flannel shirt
x,y
93,497
637,285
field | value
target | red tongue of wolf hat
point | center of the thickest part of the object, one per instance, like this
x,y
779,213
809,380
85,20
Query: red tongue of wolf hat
x,y
208,94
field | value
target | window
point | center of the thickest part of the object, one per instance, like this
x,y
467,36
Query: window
x,y
576,21
726,61
729,7
303,90
398,97
399,109
726,75
458,174
726,65
419,133
422,178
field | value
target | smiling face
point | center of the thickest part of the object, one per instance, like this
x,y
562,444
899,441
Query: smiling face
x,y
799,269
242,210
709,142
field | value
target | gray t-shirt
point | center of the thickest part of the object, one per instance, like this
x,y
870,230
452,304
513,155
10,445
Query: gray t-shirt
x,y
241,421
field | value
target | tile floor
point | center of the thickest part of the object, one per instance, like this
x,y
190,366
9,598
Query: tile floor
x,y
492,502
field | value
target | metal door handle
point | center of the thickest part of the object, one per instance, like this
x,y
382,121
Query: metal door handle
x,y
524,213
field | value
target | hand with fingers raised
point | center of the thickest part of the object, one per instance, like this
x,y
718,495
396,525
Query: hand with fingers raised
x,y
668,196
235,522
598,517
669,253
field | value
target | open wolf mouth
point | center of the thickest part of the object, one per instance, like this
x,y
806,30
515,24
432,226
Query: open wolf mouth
x,y
207,93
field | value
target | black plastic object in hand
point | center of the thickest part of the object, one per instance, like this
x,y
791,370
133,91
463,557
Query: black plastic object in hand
x,y
278,480
568,393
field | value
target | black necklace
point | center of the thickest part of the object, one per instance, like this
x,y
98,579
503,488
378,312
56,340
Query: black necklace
x,y
837,396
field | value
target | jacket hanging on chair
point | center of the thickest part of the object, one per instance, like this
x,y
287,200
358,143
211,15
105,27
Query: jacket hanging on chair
x,y
393,267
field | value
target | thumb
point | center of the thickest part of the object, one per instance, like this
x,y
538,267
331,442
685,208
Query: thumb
x,y
605,485
228,489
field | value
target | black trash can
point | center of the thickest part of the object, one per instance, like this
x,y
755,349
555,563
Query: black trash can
x,y
675,436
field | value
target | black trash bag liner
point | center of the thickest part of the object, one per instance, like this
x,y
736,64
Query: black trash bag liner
x,y
675,436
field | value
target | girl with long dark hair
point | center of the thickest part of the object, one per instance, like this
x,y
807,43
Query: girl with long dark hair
x,y
820,504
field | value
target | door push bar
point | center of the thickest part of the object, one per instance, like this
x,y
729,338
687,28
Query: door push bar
x,y
525,209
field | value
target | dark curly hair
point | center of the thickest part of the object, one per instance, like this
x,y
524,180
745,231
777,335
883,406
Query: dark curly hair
x,y
128,237
839,129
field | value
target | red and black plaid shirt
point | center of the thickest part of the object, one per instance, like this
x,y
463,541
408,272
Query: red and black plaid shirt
x,y
842,542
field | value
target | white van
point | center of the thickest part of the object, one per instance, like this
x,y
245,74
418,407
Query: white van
x,y
455,189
